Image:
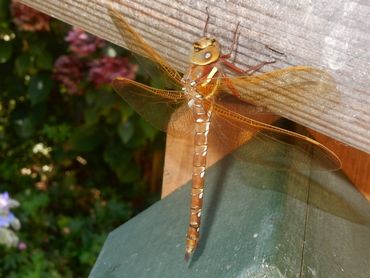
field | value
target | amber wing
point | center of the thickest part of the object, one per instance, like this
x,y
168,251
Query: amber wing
x,y
137,44
168,111
299,87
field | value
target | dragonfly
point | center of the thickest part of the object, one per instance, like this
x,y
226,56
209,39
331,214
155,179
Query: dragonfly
x,y
206,103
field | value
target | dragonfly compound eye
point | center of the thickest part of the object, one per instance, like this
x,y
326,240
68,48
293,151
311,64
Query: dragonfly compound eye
x,y
207,55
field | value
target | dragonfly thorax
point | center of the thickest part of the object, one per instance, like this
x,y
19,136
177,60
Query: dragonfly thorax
x,y
205,51
200,81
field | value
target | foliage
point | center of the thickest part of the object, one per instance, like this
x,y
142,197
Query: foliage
x,y
72,152
9,223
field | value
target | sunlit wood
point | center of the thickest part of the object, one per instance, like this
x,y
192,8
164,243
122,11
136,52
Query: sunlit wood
x,y
355,163
333,36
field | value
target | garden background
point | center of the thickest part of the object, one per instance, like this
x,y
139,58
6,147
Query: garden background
x,y
75,157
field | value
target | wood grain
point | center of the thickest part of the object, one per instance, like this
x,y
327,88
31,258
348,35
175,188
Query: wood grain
x,y
355,163
332,36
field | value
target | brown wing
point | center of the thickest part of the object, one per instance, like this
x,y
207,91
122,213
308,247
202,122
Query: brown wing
x,y
166,110
230,130
297,87
137,44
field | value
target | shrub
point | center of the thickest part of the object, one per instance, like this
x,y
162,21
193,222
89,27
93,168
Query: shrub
x,y
75,155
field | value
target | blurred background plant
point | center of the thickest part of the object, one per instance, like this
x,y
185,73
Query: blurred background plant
x,y
74,154
8,222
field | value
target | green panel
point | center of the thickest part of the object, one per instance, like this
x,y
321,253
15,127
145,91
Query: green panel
x,y
256,223
338,230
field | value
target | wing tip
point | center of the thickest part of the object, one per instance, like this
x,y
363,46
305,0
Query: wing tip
x,y
120,78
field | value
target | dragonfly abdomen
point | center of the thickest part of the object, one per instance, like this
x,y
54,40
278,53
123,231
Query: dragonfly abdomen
x,y
202,122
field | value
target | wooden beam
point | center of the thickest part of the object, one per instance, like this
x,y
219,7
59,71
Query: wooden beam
x,y
329,35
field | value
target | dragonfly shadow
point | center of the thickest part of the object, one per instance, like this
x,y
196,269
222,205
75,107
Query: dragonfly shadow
x,y
328,191
285,169
289,171
341,203
301,172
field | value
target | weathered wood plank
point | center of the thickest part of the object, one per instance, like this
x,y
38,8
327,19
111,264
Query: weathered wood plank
x,y
332,35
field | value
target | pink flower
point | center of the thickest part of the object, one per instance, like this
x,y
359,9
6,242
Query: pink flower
x,y
104,70
22,246
68,70
82,43
28,19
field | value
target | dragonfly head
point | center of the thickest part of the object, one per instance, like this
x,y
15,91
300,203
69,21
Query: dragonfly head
x,y
205,51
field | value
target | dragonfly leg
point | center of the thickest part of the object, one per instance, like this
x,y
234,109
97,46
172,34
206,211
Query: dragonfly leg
x,y
206,24
257,67
233,67
234,90
249,70
233,44
231,87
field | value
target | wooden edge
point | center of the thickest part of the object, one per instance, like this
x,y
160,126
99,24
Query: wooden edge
x,y
355,163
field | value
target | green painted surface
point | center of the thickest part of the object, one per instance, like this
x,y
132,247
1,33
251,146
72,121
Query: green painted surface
x,y
257,222
338,230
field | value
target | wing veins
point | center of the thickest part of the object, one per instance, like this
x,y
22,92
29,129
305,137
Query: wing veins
x,y
138,45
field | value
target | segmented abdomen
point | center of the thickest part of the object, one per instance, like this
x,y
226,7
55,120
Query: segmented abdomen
x,y
202,123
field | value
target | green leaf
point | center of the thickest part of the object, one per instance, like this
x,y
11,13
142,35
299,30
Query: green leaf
x,y
121,161
126,110
24,127
4,9
102,98
6,50
34,203
117,157
87,138
91,115
149,131
24,64
125,132
39,88
38,113
130,175
57,133
44,61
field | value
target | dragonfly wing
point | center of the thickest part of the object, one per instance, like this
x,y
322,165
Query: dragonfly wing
x,y
229,130
294,86
137,44
166,110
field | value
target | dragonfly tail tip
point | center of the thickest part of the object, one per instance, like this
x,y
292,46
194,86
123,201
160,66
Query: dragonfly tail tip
x,y
187,256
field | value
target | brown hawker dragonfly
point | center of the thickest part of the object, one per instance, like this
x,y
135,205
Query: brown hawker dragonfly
x,y
204,105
